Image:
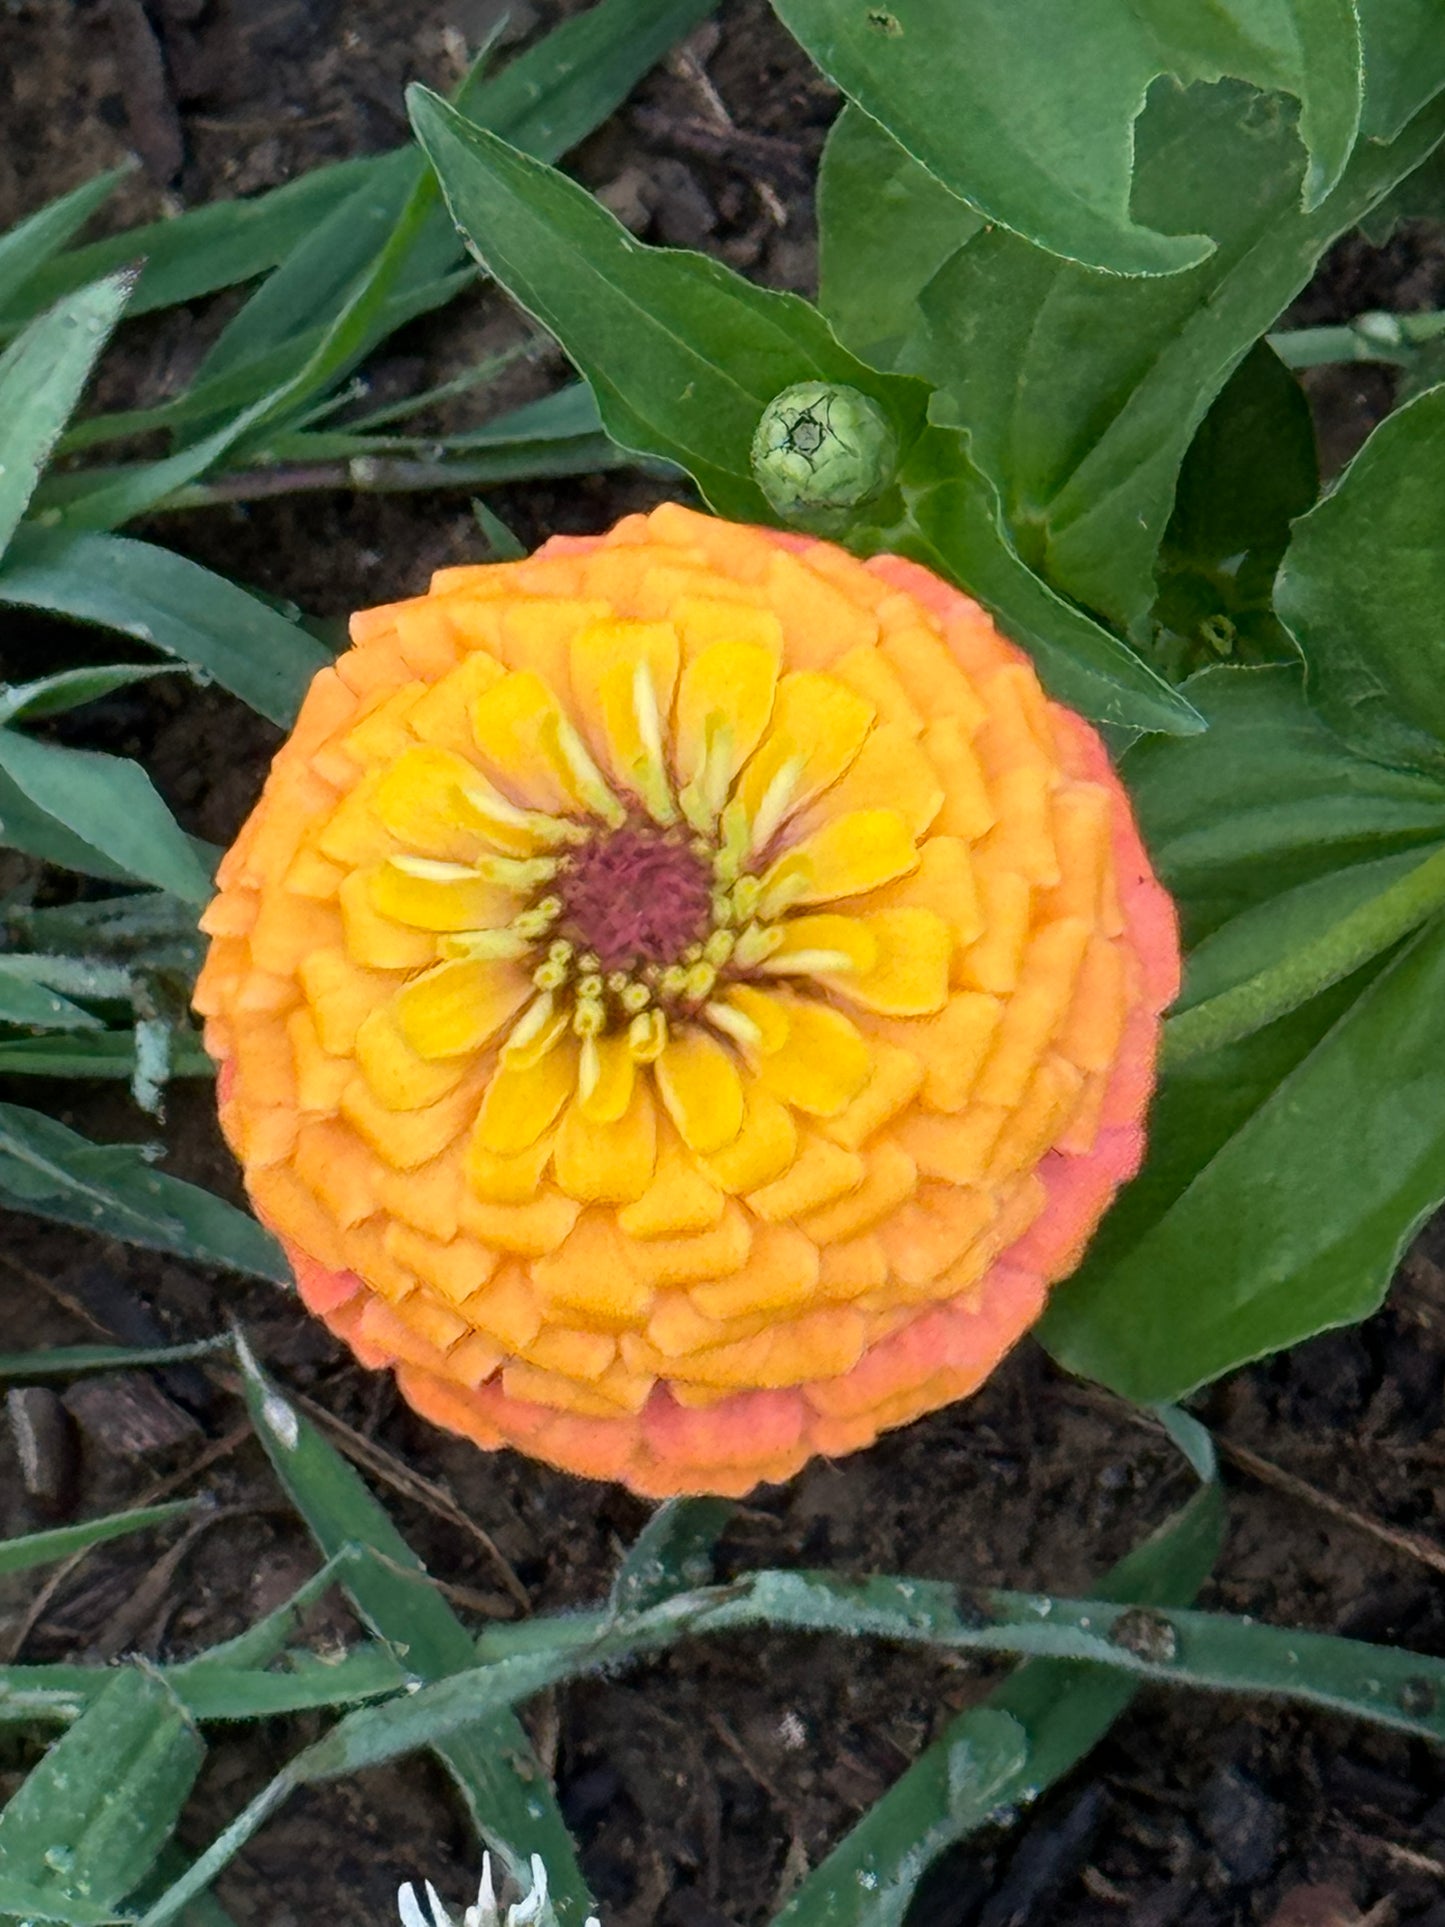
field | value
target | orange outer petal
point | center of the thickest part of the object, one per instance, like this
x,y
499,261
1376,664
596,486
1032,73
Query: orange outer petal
x,y
748,1437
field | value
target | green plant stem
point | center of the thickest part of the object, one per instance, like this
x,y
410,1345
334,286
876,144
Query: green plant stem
x,y
1270,994
1376,336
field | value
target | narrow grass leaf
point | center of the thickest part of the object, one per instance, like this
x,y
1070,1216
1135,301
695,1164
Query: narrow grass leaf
x,y
25,248
44,1548
197,252
1061,1710
104,1053
87,1823
493,1763
69,689
52,1171
172,604
109,804
74,1361
1385,1686
42,374
37,1007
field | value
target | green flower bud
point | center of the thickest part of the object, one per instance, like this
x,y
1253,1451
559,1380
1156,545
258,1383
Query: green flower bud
x,y
821,449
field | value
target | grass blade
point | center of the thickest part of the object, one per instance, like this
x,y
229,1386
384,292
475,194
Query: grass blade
x,y
73,1361
44,1548
42,374
88,1822
1061,1709
671,1554
174,605
198,252
26,248
53,1172
108,804
490,1758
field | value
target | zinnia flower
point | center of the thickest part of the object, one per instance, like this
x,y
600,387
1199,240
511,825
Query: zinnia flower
x,y
681,998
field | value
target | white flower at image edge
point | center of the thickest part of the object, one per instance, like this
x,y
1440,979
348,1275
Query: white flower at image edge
x,y
533,1911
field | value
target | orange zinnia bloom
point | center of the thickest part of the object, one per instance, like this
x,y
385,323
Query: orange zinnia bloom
x,y
681,998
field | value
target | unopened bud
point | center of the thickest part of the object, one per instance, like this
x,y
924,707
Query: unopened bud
x,y
821,449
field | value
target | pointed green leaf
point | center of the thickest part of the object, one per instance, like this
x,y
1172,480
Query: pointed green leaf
x,y
108,803
491,1759
88,1821
63,1542
683,354
1257,1219
155,597
50,1170
956,529
42,374
25,248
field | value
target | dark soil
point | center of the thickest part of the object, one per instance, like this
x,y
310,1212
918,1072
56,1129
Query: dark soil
x,y
701,1786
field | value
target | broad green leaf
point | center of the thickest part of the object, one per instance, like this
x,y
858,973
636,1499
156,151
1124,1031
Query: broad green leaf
x,y
1404,62
1362,587
885,227
114,1189
44,1548
1082,392
109,804
1063,1709
42,374
1251,469
492,1760
25,248
955,528
683,354
88,1822
1333,1156
1033,122
1279,955
174,605
1258,1218
1268,799
34,832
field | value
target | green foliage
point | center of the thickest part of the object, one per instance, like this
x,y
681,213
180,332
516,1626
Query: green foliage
x,y
1361,591
88,1822
1035,127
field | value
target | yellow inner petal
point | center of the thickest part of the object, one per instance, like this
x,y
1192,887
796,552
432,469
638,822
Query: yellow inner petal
x,y
850,854
460,1006
700,1084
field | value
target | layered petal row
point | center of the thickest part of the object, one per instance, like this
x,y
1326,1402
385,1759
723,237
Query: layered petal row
x,y
682,998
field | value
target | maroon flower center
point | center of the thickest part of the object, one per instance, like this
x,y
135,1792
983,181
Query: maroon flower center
x,y
635,896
